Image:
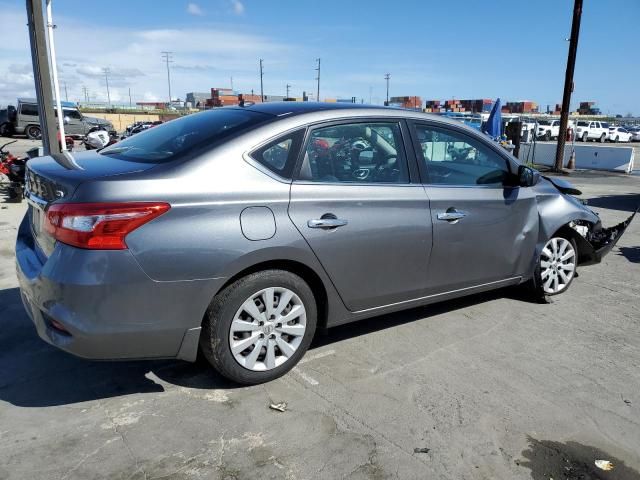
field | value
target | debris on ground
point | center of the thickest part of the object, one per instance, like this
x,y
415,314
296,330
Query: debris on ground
x,y
605,465
280,407
421,450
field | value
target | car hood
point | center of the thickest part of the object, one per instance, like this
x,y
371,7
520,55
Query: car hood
x,y
96,121
563,185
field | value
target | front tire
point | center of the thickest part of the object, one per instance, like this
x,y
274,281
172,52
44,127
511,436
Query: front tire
x,y
257,328
547,136
556,267
585,137
603,138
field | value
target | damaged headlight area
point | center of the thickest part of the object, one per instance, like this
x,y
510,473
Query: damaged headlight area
x,y
594,242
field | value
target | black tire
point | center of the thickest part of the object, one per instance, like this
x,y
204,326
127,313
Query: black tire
x,y
585,137
547,136
617,139
536,284
34,132
603,138
216,327
6,130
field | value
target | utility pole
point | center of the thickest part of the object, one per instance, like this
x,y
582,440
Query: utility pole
x,y
66,93
167,58
318,79
85,93
106,72
232,84
568,84
387,77
370,93
129,96
261,85
288,87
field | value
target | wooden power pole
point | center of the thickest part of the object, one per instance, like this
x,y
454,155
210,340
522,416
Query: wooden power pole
x,y
568,84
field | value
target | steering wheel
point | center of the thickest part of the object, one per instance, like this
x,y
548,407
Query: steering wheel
x,y
361,174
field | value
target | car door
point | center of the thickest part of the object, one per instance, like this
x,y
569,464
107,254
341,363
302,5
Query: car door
x,y
354,203
74,126
484,230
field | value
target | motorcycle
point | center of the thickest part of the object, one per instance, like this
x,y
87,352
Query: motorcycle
x,y
98,138
13,168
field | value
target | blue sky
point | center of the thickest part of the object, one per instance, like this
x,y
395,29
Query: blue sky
x,y
434,49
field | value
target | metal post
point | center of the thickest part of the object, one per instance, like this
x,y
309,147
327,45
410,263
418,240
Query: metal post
x,y
568,84
54,72
167,59
42,76
130,96
318,79
288,87
387,77
261,85
66,93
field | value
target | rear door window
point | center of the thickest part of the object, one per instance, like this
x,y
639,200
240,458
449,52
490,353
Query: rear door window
x,y
29,109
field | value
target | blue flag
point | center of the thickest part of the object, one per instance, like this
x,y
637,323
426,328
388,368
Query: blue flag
x,y
493,127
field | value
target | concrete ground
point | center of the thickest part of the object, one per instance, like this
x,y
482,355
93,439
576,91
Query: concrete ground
x,y
490,386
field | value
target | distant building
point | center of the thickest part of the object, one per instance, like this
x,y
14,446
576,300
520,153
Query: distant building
x,y
525,106
588,108
151,105
197,98
414,102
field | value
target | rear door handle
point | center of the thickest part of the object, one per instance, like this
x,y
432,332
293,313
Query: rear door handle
x,y
326,223
452,215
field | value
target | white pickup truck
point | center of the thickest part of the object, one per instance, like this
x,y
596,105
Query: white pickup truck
x,y
592,130
548,129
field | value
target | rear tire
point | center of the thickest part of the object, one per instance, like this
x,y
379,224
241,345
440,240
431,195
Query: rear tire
x,y
33,132
555,268
603,138
547,136
585,137
274,337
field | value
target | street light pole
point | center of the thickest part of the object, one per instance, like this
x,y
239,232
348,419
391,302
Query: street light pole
x,y
261,84
288,87
318,79
387,77
568,84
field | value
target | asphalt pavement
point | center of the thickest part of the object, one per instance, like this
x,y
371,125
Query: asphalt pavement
x,y
489,386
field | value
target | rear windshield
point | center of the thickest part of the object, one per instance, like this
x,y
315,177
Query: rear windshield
x,y
166,142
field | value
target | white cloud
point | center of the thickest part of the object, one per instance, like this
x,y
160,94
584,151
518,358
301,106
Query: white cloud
x,y
194,9
238,7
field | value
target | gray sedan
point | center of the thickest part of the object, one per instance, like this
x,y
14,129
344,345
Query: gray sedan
x,y
238,232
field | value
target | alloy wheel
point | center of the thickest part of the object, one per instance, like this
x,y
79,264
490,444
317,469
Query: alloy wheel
x,y
267,329
557,265
34,133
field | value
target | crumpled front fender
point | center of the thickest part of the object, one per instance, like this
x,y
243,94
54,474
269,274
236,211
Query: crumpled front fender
x,y
599,242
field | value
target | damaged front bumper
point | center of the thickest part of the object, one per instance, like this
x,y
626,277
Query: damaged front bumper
x,y
593,246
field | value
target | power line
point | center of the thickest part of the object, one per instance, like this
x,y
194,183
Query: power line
x,y
318,79
167,58
107,72
387,77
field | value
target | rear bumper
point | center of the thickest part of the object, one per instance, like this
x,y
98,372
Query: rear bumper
x,y
109,308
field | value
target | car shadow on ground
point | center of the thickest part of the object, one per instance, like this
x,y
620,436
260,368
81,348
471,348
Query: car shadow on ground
x,y
630,253
626,203
35,374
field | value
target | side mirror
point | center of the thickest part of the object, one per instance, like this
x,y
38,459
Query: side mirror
x,y
527,176
66,120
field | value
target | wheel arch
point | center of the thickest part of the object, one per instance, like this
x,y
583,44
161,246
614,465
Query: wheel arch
x,y
296,267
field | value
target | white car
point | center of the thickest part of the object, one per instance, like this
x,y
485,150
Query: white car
x,y
596,131
548,129
635,134
619,134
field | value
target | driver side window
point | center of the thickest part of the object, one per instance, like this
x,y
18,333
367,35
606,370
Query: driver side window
x,y
367,152
452,158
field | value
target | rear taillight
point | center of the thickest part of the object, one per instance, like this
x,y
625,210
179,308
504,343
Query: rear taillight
x,y
99,226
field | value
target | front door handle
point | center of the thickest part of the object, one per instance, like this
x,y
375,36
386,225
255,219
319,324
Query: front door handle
x,y
452,215
326,221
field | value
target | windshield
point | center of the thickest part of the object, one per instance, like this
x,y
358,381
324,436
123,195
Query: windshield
x,y
165,142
